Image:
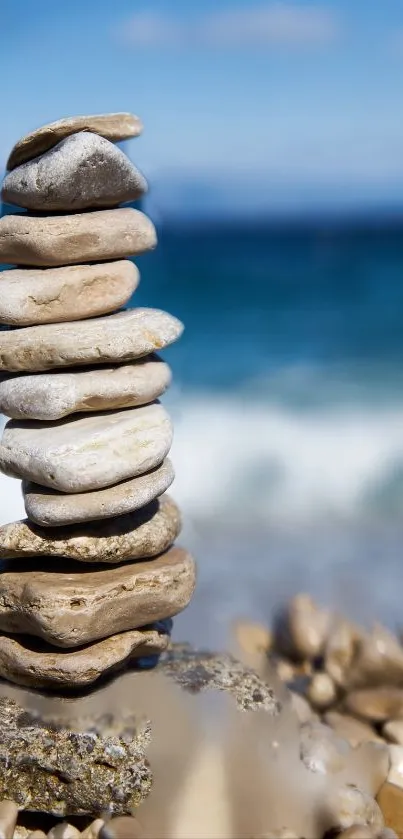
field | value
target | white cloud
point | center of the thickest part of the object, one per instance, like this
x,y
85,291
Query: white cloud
x,y
273,24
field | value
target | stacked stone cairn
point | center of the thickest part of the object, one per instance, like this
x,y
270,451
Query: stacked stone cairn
x,y
90,580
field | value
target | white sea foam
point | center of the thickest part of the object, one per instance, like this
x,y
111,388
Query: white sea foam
x,y
243,461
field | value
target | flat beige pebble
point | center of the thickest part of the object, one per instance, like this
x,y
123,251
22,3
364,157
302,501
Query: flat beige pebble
x,y
82,171
393,732
93,829
376,704
70,608
351,729
395,775
112,339
48,241
49,508
113,127
48,667
8,818
122,827
89,452
31,296
321,691
138,535
64,831
37,834
52,396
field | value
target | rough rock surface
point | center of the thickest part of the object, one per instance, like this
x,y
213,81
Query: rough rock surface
x,y
26,663
138,535
125,336
70,606
113,127
49,508
81,237
91,452
52,396
46,766
82,171
34,296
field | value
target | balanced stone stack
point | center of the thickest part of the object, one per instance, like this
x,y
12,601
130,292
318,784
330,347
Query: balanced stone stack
x,y
90,580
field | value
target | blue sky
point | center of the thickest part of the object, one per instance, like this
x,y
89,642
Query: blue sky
x,y
306,97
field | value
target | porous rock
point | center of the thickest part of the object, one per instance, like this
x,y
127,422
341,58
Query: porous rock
x,y
114,127
88,452
49,241
49,508
82,171
46,766
53,295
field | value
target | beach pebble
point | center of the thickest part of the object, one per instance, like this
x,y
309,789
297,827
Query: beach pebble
x,y
390,800
117,338
64,830
113,127
122,827
48,667
303,629
37,834
377,704
49,508
52,396
340,650
351,806
351,729
321,750
30,296
395,775
8,818
88,452
71,607
321,691
82,171
48,241
378,660
253,637
358,831
93,829
393,731
138,535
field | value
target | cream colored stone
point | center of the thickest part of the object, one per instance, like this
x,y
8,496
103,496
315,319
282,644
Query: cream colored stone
x,y
82,171
121,827
304,629
70,607
321,691
322,750
113,127
378,660
393,731
395,775
123,337
8,818
49,241
253,637
340,649
40,666
52,396
377,704
64,831
138,535
93,829
351,806
91,452
34,296
49,508
353,730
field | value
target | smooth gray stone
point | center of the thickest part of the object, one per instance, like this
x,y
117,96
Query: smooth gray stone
x,y
52,396
113,127
89,452
113,339
82,171
49,508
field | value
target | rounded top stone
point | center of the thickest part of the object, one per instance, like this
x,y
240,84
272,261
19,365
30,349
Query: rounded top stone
x,y
114,127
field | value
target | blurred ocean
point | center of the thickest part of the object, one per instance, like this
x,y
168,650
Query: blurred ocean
x,y
288,412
